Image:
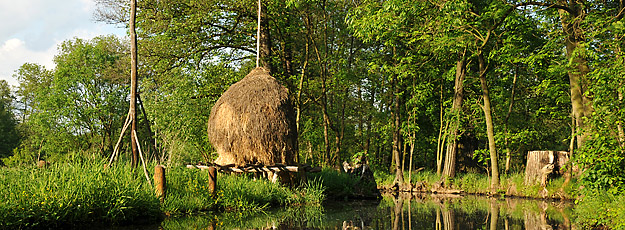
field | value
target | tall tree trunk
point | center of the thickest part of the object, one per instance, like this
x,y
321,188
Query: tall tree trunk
x,y
133,82
492,148
505,122
265,40
449,170
580,103
395,115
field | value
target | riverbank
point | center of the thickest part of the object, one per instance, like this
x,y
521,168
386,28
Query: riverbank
x,y
592,210
81,193
478,184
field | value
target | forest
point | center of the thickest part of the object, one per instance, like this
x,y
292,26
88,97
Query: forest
x,y
456,86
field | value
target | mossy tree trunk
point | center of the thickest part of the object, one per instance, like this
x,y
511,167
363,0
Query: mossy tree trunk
x,y
492,148
449,170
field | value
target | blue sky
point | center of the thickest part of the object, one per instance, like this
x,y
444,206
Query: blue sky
x,y
31,30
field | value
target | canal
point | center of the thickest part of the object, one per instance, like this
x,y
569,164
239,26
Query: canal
x,y
405,212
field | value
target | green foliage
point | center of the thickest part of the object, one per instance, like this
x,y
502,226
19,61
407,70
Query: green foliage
x,y
335,184
9,136
603,161
601,210
80,106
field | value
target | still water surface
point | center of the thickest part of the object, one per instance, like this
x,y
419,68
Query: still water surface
x,y
412,212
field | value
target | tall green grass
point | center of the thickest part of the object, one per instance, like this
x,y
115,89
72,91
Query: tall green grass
x,y
188,193
73,194
78,193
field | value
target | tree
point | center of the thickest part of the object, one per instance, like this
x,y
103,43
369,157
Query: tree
x,y
78,107
9,136
133,84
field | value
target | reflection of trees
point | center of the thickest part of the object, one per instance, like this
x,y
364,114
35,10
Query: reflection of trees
x,y
541,221
494,214
442,212
448,217
397,213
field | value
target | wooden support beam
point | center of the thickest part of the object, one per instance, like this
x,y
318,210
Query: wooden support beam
x,y
277,168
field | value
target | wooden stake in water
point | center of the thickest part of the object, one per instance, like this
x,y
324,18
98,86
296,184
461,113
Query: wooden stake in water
x,y
212,180
160,182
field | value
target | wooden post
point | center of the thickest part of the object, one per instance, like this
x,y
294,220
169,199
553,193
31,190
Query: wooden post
x,y
212,180
160,182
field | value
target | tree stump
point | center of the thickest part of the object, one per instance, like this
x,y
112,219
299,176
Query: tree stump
x,y
542,164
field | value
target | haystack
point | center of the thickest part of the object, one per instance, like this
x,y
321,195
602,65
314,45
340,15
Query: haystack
x,y
253,122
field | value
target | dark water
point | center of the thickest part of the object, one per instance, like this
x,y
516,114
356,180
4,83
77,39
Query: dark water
x,y
411,212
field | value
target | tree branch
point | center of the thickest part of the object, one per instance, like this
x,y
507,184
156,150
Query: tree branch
x,y
548,5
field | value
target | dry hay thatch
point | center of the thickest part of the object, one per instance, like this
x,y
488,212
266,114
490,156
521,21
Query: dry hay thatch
x,y
253,122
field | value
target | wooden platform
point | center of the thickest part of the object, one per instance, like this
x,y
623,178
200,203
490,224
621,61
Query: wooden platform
x,y
259,168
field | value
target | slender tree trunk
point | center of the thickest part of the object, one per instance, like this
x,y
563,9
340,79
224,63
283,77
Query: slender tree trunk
x,y
505,122
300,87
412,145
619,58
619,125
441,138
265,40
326,134
133,82
339,132
449,170
569,165
489,123
395,115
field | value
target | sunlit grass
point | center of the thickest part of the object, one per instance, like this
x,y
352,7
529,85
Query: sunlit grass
x,y
70,194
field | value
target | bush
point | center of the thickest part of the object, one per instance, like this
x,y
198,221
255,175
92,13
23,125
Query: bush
x,y
601,209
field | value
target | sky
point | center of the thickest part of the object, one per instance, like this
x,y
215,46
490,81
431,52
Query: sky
x,y
31,30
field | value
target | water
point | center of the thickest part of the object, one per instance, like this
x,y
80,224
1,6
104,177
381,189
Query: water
x,y
406,212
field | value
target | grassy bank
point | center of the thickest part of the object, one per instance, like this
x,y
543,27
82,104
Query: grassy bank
x,y
473,183
71,194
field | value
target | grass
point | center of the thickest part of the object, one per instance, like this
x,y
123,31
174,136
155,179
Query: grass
x,y
75,194
336,185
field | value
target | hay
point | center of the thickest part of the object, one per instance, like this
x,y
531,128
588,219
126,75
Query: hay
x,y
253,122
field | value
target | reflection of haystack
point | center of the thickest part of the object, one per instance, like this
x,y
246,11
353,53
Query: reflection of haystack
x,y
253,122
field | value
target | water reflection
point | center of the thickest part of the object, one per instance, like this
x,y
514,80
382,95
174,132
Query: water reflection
x,y
405,212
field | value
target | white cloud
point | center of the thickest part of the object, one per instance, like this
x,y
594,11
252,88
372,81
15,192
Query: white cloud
x,y
14,53
32,30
